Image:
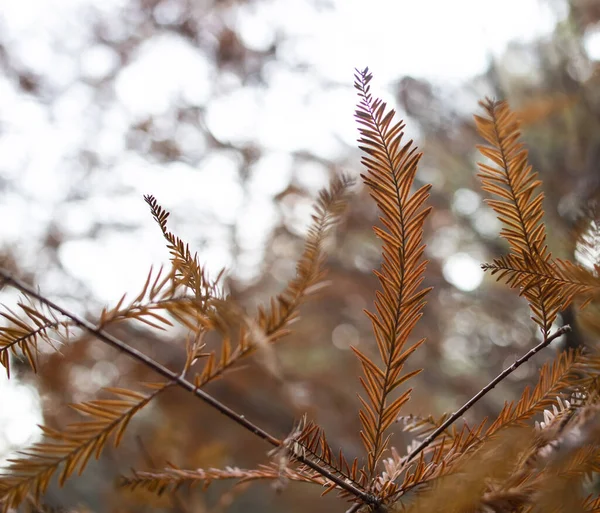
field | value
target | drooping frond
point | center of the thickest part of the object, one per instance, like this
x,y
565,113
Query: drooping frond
x,y
519,207
145,306
272,323
570,373
557,279
542,472
160,296
188,270
26,329
555,379
72,448
173,478
328,209
391,166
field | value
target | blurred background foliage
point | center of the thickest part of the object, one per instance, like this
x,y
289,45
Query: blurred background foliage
x,y
219,109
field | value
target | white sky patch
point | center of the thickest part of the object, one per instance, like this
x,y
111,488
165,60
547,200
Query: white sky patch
x,y
338,105
121,264
311,175
430,38
298,214
345,335
466,201
98,61
463,271
587,251
591,43
486,222
152,82
20,414
213,189
255,25
271,174
256,220
243,106
292,119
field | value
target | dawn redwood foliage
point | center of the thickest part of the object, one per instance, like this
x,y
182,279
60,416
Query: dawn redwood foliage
x,y
506,464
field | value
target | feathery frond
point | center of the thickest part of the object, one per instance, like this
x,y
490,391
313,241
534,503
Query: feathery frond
x,y
513,180
519,208
505,466
554,380
328,209
560,279
24,331
73,447
462,487
144,306
423,426
391,166
311,441
272,324
592,504
163,295
173,478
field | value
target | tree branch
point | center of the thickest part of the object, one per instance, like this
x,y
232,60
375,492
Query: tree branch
x,y
454,417
186,385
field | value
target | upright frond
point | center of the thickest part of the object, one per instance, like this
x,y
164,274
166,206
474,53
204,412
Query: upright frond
x,y
519,207
73,447
391,166
272,323
512,179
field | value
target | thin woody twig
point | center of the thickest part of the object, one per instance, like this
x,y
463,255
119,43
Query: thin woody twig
x,y
183,383
354,508
454,417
